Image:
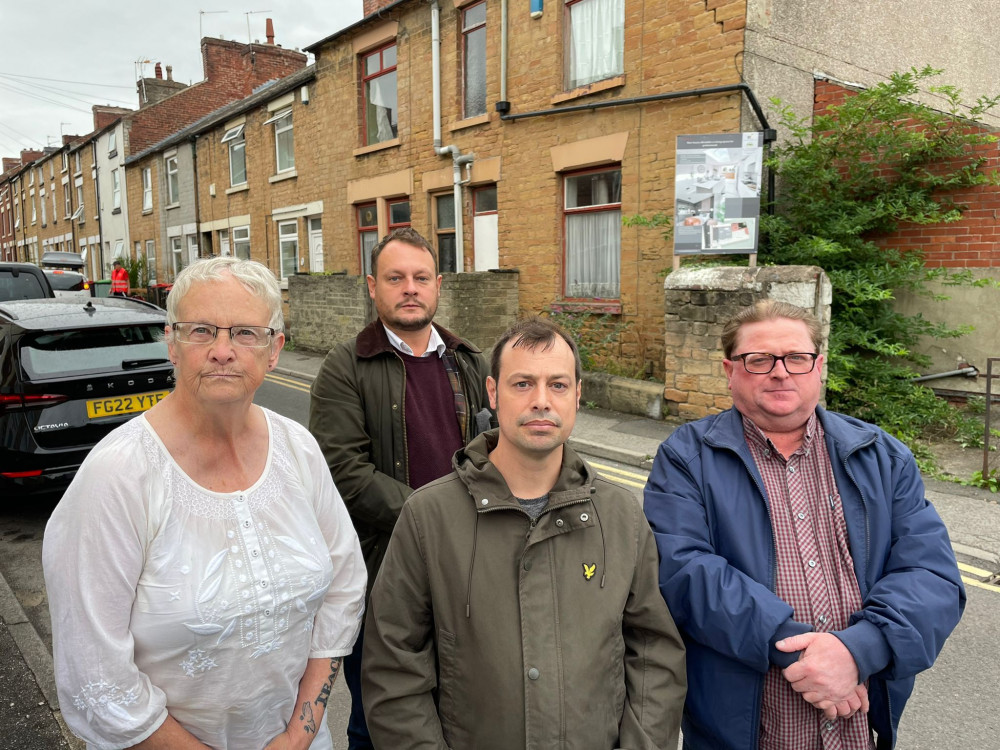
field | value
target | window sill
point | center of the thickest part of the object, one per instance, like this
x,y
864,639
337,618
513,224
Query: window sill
x,y
112,154
469,122
376,147
237,189
115,211
591,88
597,307
290,174
172,206
147,211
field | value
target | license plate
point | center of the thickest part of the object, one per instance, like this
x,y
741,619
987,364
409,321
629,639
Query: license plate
x,y
118,405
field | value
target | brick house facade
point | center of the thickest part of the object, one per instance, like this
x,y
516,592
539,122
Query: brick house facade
x,y
547,182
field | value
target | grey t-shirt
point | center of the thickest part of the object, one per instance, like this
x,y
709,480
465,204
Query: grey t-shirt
x,y
534,506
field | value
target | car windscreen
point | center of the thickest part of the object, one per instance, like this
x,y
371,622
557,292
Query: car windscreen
x,y
20,286
65,281
111,349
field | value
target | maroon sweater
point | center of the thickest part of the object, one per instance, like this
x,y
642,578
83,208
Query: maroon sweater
x,y
432,431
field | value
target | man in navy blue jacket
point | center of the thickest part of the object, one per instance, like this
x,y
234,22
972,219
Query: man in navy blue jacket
x,y
810,577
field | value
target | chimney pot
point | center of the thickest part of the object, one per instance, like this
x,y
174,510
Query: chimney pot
x,y
170,72
158,71
270,31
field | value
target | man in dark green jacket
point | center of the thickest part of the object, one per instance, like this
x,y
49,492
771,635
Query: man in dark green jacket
x,y
391,407
518,605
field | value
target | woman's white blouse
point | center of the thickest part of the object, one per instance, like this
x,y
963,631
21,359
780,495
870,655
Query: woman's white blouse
x,y
167,597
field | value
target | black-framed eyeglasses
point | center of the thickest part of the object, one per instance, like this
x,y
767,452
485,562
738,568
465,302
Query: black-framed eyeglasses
x,y
253,337
761,363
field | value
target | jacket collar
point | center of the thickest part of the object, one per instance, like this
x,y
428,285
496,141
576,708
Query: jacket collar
x,y
849,434
483,481
373,341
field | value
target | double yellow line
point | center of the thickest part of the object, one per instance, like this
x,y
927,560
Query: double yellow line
x,y
621,476
980,573
295,385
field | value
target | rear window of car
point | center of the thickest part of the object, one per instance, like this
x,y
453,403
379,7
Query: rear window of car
x,y
66,281
21,286
91,350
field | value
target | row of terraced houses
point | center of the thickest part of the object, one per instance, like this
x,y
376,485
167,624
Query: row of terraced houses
x,y
513,134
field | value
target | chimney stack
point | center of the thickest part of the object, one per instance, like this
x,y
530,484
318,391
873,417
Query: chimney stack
x,y
158,71
270,32
170,72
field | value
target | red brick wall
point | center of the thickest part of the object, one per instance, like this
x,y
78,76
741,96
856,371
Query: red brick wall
x,y
371,6
971,242
232,71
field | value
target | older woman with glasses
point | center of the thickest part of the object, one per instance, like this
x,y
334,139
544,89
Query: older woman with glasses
x,y
203,575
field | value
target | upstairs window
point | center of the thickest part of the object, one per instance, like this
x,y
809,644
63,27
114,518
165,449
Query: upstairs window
x,y
474,60
67,200
595,36
284,141
116,190
237,155
241,242
112,143
593,235
378,74
77,166
173,187
147,189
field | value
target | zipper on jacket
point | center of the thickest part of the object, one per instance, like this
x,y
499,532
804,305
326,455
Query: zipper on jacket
x,y
868,532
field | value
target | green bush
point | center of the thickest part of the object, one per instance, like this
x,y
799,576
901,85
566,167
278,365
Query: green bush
x,y
848,177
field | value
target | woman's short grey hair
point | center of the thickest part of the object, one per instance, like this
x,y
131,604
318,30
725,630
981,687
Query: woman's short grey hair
x,y
255,277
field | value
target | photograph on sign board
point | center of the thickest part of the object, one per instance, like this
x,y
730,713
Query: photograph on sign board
x,y
717,193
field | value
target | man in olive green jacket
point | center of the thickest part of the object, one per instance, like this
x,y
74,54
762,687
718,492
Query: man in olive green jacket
x,y
518,605
390,407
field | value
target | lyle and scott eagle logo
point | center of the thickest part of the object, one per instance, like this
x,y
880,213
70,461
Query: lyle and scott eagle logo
x,y
589,570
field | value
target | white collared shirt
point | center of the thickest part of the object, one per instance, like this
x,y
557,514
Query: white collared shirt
x,y
435,345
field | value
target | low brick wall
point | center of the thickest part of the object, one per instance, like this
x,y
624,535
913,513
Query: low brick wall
x,y
699,301
324,310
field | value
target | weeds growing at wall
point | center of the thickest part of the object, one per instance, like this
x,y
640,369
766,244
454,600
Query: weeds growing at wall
x,y
857,172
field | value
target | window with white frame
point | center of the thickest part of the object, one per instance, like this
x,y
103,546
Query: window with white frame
x,y
367,235
65,160
237,155
67,200
176,255
485,228
34,215
147,189
241,242
593,233
80,214
41,202
173,187
284,140
288,247
444,210
381,109
595,41
474,59
55,212
151,260
77,166
112,143
116,190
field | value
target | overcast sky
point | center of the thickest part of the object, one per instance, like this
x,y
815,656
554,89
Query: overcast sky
x,y
90,51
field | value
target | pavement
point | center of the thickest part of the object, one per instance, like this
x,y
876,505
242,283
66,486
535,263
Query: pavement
x,y
26,683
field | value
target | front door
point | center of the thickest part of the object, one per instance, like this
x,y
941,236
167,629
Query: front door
x,y
316,245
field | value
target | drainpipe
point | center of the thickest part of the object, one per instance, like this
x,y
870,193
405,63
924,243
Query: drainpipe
x,y
458,159
969,371
503,58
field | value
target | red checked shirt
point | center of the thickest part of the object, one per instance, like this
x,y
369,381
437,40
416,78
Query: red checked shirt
x,y
815,576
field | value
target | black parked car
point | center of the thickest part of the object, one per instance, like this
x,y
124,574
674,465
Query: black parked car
x,y
23,281
70,372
